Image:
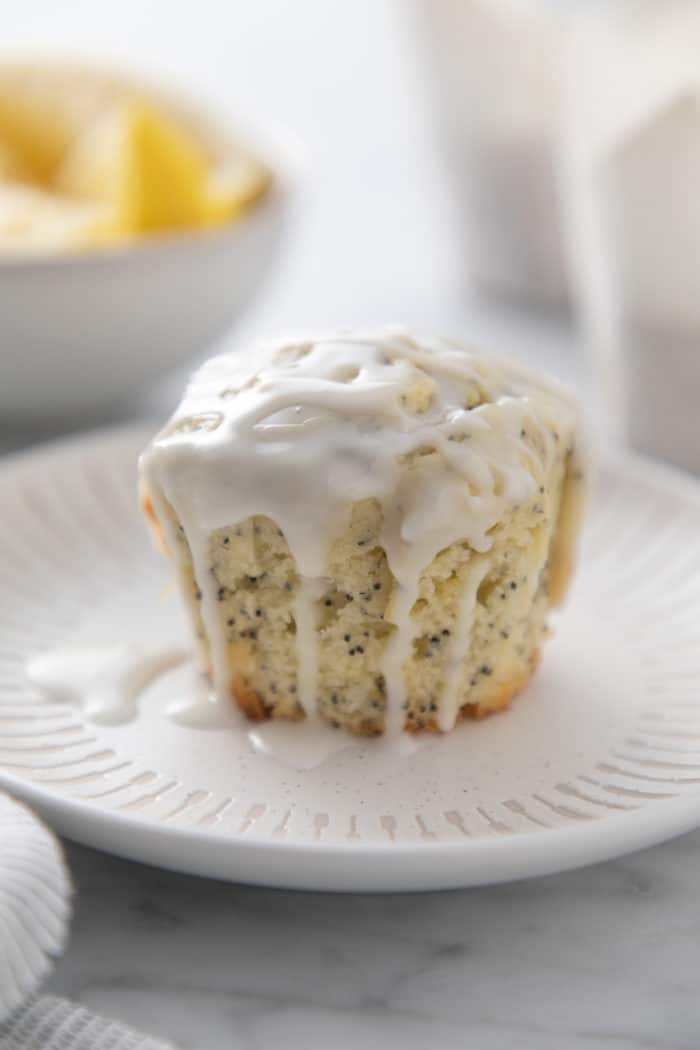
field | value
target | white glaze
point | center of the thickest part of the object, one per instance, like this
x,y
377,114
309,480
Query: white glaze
x,y
461,643
195,705
299,431
307,649
106,681
282,742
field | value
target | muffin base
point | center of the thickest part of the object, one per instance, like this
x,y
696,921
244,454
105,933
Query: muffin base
x,y
253,706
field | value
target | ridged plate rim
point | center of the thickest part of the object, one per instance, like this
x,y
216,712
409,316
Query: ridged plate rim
x,y
378,866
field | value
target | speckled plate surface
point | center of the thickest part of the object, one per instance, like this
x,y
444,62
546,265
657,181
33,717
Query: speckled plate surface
x,y
600,756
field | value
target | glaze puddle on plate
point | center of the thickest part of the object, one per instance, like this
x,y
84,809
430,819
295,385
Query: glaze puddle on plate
x,y
300,747
105,682
108,683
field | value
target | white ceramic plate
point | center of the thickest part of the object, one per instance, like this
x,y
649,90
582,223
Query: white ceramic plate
x,y
600,756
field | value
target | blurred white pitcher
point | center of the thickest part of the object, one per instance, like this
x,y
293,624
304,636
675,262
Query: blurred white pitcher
x,y
631,172
497,69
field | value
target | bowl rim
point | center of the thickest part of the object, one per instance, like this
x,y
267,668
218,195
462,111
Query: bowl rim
x,y
276,197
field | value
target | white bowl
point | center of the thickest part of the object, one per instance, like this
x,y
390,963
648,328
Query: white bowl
x,y
79,331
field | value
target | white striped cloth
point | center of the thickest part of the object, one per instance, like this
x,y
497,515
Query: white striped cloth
x,y
49,1023
35,892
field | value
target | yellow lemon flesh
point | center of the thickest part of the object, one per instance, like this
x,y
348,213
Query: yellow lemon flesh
x,y
13,167
101,161
141,165
235,184
33,220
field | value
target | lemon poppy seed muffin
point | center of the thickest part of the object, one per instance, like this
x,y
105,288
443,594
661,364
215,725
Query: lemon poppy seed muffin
x,y
368,529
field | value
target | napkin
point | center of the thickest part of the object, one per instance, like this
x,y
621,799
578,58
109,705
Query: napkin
x,y
35,893
49,1023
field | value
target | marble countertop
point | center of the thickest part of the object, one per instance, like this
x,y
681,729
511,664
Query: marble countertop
x,y
604,957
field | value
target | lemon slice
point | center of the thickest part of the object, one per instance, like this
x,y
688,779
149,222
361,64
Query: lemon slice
x,y
157,176
233,186
32,219
12,165
102,158
42,109
142,165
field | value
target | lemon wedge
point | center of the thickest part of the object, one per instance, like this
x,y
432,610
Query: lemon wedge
x,y
101,158
32,219
12,165
42,108
140,164
233,186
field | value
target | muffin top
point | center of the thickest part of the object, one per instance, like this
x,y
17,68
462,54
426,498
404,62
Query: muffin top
x,y
299,430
